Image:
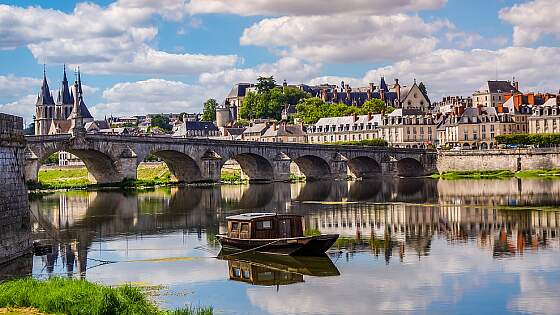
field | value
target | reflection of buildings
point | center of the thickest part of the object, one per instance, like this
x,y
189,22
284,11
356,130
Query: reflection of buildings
x,y
411,227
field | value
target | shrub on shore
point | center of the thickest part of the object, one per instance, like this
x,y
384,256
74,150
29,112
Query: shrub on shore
x,y
541,139
76,297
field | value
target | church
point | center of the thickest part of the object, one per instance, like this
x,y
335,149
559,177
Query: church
x,y
57,117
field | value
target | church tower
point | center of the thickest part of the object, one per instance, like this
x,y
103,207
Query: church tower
x,y
44,108
65,100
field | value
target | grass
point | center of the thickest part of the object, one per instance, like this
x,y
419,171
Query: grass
x,y
497,174
312,232
76,297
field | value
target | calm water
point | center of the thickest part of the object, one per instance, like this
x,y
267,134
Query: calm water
x,y
408,246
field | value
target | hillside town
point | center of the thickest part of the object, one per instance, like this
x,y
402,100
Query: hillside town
x,y
402,115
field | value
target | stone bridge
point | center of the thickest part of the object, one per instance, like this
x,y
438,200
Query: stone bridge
x,y
114,158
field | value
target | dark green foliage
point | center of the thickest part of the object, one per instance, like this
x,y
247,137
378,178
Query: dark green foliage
x,y
268,104
265,84
367,142
73,297
209,111
162,122
52,159
541,139
30,130
310,110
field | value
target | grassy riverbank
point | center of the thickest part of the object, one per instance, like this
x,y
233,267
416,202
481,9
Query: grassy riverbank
x,y
76,297
498,174
148,175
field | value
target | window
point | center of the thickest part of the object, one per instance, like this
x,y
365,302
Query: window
x,y
237,272
263,225
246,274
235,226
244,227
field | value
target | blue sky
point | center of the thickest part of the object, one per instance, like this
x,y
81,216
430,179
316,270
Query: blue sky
x,y
140,56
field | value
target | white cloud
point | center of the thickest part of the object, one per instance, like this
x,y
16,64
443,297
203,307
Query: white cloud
x,y
532,20
288,68
458,72
12,86
23,107
345,38
115,39
152,96
310,7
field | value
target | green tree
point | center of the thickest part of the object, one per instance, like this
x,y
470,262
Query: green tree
x,y
265,84
268,104
162,122
209,111
294,95
30,130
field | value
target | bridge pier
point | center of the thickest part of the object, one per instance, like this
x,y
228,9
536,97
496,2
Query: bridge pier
x,y
211,168
339,167
281,165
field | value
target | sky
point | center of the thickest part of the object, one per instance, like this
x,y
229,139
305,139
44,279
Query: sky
x,y
148,56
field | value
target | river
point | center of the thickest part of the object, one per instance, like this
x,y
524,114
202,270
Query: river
x,y
412,246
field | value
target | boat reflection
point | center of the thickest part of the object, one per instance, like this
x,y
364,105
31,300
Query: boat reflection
x,y
269,270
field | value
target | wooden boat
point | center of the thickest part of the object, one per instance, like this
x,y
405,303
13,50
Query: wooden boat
x,y
273,233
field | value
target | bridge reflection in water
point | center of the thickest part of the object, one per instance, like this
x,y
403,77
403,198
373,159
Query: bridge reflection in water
x,y
387,217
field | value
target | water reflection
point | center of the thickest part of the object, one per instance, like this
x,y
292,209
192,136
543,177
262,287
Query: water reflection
x,y
266,270
407,245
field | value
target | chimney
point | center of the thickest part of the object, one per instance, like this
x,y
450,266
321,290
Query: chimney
x,y
355,116
500,108
531,98
461,110
516,84
369,116
274,126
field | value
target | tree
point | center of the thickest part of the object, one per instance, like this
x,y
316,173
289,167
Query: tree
x,y
265,84
30,130
268,104
374,106
162,122
294,95
209,111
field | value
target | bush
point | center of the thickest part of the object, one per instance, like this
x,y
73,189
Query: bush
x,y
541,139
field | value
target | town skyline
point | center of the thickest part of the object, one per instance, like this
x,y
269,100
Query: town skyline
x,y
437,42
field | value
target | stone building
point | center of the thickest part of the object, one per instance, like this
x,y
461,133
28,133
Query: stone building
x,y
54,117
448,104
190,128
493,93
474,127
408,128
235,98
346,128
282,132
546,118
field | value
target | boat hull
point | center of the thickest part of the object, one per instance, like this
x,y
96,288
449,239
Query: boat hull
x,y
297,246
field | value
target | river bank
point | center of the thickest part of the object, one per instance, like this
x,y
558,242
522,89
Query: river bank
x,y
149,175
498,174
71,296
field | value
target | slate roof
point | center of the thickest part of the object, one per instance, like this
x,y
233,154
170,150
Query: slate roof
x,y
200,125
285,130
260,128
240,89
497,87
64,95
45,97
348,120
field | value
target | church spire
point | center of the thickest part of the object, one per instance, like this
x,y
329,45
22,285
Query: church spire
x,y
65,96
45,96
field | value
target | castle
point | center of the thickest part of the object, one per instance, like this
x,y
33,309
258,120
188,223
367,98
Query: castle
x,y
61,116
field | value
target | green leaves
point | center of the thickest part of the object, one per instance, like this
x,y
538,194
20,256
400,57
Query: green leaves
x,y
529,139
209,111
310,110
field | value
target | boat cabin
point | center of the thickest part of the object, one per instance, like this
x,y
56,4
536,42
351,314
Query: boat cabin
x,y
264,226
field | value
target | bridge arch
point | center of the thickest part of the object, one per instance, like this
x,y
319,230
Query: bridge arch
x,y
409,167
102,168
256,167
364,167
181,165
313,167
